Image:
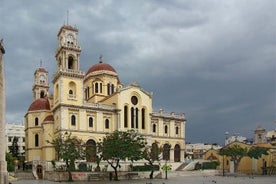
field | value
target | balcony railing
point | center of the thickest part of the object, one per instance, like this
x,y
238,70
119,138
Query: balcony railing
x,y
99,106
161,113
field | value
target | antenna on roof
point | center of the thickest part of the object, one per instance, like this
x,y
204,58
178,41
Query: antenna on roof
x,y
40,63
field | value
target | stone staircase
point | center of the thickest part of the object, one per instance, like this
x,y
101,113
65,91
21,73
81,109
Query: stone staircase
x,y
182,166
20,175
97,176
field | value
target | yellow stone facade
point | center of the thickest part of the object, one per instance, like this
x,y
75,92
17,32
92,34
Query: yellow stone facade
x,y
91,104
247,165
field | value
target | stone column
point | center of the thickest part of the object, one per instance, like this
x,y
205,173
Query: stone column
x,y
3,163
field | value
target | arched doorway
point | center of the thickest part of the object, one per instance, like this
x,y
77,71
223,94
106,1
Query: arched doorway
x,y
154,151
177,153
91,151
166,152
39,171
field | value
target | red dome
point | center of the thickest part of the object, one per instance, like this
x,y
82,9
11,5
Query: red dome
x,y
49,118
40,104
101,66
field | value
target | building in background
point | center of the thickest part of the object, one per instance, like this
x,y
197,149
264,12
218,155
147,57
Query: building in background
x,y
266,164
197,150
14,131
235,138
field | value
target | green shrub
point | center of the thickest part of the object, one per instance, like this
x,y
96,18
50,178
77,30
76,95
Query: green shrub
x,y
210,165
206,165
145,168
82,166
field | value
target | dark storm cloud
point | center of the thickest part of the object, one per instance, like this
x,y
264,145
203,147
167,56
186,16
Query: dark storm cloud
x,y
212,60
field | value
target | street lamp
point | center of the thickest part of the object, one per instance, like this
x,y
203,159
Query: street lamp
x,y
226,138
15,165
166,170
223,157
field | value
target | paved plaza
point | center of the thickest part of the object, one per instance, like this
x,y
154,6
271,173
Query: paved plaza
x,y
177,178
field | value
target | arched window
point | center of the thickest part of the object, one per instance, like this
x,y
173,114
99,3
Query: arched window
x,y
154,128
87,92
143,118
176,130
136,117
90,122
166,152
91,150
166,129
132,117
73,120
42,94
112,88
36,121
101,88
108,89
96,88
154,151
56,92
125,117
72,89
107,123
36,140
177,153
70,62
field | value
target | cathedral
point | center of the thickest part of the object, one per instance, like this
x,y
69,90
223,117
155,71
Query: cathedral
x,y
91,104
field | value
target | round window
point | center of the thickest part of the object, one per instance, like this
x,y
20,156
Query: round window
x,y
134,100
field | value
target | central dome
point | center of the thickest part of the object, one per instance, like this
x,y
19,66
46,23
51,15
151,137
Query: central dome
x,y
100,67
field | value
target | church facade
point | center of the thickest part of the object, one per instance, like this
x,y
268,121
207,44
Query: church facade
x,y
91,104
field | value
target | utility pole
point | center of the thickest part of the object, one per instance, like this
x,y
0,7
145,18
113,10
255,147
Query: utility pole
x,y
3,164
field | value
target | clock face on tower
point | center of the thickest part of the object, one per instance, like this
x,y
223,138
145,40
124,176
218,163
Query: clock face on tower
x,y
42,79
70,38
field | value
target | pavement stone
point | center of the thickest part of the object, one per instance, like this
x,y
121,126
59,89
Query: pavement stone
x,y
176,178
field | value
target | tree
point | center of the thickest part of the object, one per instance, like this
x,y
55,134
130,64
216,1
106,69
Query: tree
x,y
120,145
14,149
152,154
69,149
10,162
257,152
236,153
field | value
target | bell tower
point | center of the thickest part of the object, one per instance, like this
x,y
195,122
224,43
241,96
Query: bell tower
x,y
41,85
259,136
68,79
68,51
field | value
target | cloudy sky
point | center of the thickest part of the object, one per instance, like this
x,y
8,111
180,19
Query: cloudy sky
x,y
215,61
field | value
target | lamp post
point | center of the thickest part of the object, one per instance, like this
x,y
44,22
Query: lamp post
x,y
223,157
166,170
15,165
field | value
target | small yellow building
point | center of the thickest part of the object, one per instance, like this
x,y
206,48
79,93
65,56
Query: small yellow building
x,y
266,164
92,103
